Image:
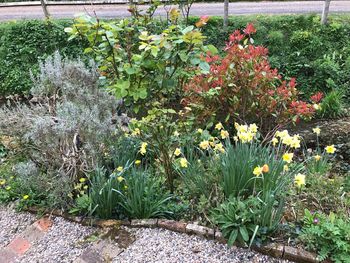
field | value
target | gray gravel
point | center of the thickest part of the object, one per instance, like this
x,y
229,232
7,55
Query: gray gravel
x,y
158,245
64,242
12,223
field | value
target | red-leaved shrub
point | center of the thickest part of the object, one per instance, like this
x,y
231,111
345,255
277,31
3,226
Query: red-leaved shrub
x,y
242,85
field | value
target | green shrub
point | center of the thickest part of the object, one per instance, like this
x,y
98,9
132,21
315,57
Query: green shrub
x,y
328,235
238,219
23,44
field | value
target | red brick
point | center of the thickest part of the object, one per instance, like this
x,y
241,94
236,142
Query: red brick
x,y
43,224
172,225
7,255
19,245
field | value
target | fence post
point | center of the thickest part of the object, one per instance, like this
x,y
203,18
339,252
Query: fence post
x,y
44,6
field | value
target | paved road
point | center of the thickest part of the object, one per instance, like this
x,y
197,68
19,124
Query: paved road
x,y
241,8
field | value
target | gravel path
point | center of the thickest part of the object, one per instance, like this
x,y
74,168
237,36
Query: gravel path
x,y
163,246
64,242
12,223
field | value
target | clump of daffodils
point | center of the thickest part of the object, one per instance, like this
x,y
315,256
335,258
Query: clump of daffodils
x,y
293,141
246,133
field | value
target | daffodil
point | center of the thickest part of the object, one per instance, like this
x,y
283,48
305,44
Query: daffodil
x,y
317,157
125,187
219,147
200,131
204,145
235,138
143,148
317,106
120,179
219,126
176,133
224,134
274,141
285,168
299,180
136,132
317,130
137,162
2,181
8,188
183,162
258,171
330,149
177,152
288,157
82,180
25,197
295,142
120,168
253,128
265,168
282,134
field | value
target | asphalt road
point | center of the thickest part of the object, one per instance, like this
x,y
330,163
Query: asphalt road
x,y
115,11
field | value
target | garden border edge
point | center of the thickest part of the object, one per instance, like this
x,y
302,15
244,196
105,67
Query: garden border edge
x,y
275,250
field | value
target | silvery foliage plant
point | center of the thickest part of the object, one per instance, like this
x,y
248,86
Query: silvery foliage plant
x,y
63,129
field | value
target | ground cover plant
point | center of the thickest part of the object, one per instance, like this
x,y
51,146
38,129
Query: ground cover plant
x,y
163,125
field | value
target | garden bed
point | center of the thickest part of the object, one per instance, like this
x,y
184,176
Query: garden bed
x,y
161,129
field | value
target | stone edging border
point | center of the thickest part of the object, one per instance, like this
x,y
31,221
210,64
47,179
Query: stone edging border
x,y
275,250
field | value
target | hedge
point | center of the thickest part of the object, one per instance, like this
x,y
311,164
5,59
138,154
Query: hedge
x,y
299,47
23,43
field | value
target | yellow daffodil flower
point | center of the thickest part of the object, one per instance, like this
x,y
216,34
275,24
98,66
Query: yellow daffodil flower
x,y
2,182
317,130
253,128
224,134
177,152
285,168
120,168
219,126
330,149
200,131
120,179
176,134
317,106
317,157
25,197
274,141
299,180
258,171
136,132
143,148
288,157
204,145
82,180
183,162
8,188
219,147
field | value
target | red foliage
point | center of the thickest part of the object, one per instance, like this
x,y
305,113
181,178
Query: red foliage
x,y
317,97
242,83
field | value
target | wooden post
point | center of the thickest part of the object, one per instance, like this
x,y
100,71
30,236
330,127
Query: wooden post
x,y
325,12
226,2
44,6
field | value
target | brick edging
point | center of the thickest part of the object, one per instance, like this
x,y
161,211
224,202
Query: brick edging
x,y
275,250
